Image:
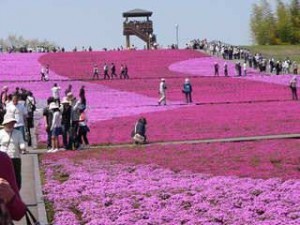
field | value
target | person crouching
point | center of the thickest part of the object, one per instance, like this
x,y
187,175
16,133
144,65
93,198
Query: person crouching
x,y
139,133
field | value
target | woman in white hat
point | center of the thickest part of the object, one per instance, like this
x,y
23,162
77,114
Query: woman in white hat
x,y
12,143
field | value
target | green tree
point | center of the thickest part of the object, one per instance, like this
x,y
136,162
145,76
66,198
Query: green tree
x,y
284,26
262,23
295,21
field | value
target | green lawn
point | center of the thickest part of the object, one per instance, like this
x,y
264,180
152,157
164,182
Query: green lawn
x,y
279,52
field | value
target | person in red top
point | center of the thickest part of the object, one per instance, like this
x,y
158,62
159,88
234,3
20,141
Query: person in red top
x,y
9,192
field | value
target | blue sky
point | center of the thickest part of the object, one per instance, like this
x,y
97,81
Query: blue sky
x,y
98,23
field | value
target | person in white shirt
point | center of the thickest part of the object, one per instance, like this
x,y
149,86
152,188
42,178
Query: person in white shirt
x,y
56,128
13,144
17,110
105,70
245,68
56,93
162,92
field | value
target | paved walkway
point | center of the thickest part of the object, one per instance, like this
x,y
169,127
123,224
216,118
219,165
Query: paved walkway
x,y
31,191
199,141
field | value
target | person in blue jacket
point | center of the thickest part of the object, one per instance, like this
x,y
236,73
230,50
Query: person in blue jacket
x,y
187,90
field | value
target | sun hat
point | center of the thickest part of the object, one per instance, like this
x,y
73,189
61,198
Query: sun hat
x,y
53,105
65,101
187,80
4,88
162,79
8,118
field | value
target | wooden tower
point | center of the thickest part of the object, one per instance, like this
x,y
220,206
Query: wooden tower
x,y
137,22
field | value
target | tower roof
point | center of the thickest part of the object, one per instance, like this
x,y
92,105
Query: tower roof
x,y
137,13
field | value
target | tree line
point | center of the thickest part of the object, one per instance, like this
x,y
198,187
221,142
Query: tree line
x,y
14,43
276,27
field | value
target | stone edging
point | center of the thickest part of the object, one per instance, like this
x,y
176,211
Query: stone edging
x,y
42,215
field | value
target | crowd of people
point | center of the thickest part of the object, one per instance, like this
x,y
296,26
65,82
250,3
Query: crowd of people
x,y
66,119
256,61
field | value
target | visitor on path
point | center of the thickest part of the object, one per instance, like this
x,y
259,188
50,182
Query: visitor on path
x,y
105,70
48,116
225,69
245,69
68,90
139,132
66,121
4,95
162,92
113,71
18,110
56,129
82,97
43,73
216,69
293,87
13,144
187,90
31,107
83,130
295,67
122,72
75,114
4,98
56,93
238,69
126,76
9,192
95,72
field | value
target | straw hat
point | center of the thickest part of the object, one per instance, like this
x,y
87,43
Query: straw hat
x,y
4,88
162,79
8,118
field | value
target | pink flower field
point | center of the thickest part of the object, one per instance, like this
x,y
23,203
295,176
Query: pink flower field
x,y
253,183
161,185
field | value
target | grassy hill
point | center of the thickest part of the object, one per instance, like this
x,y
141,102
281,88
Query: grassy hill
x,y
279,52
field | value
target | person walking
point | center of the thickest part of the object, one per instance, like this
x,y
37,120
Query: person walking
x,y
113,71
293,87
95,72
216,69
13,144
126,76
225,69
187,90
105,70
162,92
